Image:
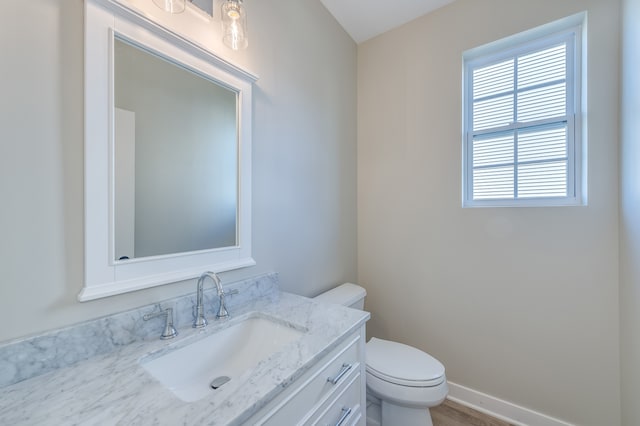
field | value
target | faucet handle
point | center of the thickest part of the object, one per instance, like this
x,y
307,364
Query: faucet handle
x,y
222,311
169,331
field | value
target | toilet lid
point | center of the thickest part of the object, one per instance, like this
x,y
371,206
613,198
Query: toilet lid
x,y
402,364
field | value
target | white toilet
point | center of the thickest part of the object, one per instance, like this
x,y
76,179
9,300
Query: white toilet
x,y
402,382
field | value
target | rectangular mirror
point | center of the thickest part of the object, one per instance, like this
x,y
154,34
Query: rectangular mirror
x,y
167,155
176,174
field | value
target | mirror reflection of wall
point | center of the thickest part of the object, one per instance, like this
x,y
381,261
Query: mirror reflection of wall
x,y
176,173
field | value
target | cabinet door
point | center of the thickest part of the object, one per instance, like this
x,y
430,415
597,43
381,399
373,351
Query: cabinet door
x,y
309,397
344,409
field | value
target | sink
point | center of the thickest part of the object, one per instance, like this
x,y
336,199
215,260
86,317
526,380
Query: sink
x,y
194,370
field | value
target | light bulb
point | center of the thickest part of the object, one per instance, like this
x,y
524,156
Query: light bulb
x,y
234,25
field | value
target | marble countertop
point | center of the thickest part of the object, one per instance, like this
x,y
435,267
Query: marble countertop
x,y
115,389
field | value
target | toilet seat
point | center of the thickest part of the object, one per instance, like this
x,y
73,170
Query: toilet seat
x,y
403,365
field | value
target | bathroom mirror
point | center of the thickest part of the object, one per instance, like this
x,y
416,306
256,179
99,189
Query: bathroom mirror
x,y
175,150
167,155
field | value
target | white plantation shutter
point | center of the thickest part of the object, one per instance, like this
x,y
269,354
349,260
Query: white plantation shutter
x,y
520,123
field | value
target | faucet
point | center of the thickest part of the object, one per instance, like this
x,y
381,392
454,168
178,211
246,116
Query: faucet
x,y
200,320
169,331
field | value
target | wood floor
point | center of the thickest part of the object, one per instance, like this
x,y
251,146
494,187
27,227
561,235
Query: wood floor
x,y
450,413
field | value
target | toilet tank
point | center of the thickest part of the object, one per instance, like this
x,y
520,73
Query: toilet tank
x,y
347,294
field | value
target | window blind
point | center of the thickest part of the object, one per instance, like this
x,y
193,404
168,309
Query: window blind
x,y
519,126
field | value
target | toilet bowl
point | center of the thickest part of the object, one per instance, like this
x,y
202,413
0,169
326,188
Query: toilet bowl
x,y
402,382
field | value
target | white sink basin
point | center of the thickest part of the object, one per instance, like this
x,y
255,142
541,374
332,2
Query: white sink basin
x,y
188,371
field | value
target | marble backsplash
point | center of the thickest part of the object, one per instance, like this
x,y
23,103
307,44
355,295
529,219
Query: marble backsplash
x,y
25,358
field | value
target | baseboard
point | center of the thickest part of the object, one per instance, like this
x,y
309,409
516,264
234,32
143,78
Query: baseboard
x,y
499,408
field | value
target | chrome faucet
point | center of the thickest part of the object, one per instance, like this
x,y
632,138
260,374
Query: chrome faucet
x,y
169,331
200,320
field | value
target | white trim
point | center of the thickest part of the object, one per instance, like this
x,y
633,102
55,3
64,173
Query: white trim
x,y
119,287
499,408
576,20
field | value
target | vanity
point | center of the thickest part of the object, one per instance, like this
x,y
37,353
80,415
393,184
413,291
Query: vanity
x,y
314,375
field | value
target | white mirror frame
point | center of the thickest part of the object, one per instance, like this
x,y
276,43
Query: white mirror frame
x,y
105,276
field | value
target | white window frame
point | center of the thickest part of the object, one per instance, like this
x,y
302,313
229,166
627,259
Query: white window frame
x,y
571,30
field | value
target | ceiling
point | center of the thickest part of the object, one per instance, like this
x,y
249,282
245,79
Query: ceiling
x,y
365,19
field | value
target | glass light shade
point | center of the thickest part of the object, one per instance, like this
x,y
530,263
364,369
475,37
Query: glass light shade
x,y
234,25
171,6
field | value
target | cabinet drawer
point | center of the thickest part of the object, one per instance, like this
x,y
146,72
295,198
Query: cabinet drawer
x,y
316,387
345,408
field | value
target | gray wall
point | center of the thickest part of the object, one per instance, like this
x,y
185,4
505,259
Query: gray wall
x,y
518,303
630,215
304,180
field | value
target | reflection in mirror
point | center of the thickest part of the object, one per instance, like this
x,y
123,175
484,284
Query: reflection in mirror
x,y
176,157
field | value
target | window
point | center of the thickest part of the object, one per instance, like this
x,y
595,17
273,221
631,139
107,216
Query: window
x,y
522,122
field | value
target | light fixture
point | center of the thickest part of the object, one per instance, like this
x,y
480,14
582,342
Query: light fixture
x,y
234,25
171,6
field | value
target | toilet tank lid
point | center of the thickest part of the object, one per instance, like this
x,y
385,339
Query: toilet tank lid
x,y
346,294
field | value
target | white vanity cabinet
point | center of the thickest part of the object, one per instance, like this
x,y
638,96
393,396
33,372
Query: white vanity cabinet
x,y
331,393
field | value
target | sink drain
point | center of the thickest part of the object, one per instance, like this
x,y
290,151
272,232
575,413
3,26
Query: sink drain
x,y
219,381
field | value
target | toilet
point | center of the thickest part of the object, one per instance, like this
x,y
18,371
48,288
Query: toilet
x,y
402,382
